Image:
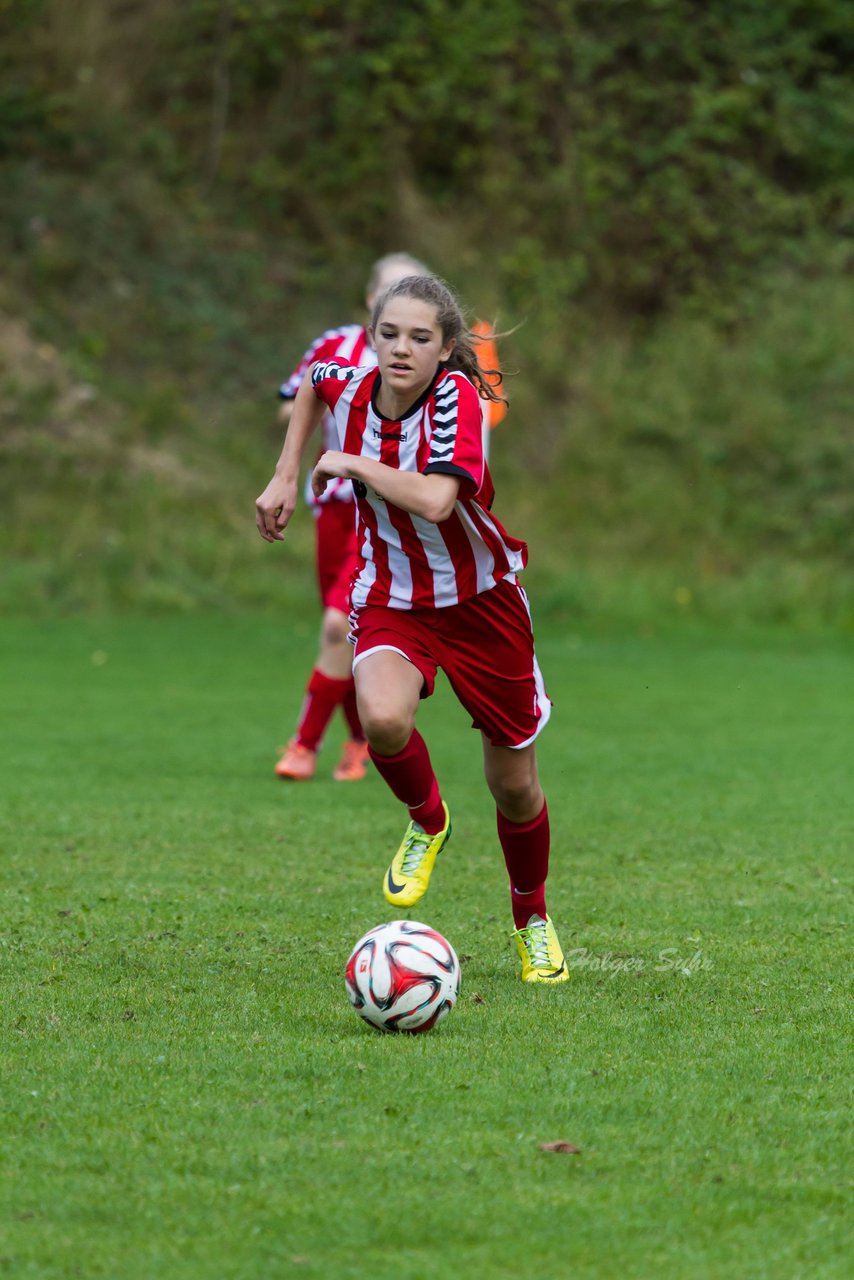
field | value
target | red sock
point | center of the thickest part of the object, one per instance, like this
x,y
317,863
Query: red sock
x,y
322,696
351,713
526,855
410,776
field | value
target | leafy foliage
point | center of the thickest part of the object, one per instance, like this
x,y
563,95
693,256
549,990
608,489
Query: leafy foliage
x,y
639,150
657,194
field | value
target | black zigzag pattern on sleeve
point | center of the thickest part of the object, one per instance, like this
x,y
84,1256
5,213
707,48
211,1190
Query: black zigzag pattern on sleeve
x,y
331,369
445,422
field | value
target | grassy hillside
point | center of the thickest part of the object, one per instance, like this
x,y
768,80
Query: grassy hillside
x,y
671,467
680,438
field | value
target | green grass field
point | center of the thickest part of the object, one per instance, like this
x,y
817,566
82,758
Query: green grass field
x,y
186,1092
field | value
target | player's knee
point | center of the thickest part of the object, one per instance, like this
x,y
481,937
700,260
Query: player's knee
x,y
387,729
334,628
518,800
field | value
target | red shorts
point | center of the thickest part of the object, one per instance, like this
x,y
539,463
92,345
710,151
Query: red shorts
x,y
336,553
485,647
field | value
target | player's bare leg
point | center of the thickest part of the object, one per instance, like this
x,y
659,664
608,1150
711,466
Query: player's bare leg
x,y
512,777
335,656
388,691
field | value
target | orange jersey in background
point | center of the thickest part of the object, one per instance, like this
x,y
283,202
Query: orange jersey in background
x,y
487,354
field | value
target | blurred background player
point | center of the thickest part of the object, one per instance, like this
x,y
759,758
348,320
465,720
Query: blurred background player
x,y
330,684
493,411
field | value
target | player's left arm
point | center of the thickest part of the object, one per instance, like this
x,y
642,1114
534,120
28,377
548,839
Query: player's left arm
x,y
432,497
456,445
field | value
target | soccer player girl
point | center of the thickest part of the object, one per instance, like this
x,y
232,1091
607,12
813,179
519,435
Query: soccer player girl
x,y
330,684
436,587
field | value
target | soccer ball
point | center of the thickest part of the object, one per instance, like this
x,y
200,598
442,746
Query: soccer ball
x,y
403,976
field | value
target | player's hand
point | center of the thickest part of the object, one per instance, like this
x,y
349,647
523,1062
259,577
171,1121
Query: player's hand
x,y
332,465
274,508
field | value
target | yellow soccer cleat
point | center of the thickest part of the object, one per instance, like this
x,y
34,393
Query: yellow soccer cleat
x,y
540,952
408,876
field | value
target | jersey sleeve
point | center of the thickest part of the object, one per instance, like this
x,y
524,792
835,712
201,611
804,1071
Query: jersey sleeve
x,y
456,447
321,349
329,379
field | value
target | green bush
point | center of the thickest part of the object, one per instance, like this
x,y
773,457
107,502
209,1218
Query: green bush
x,y
642,151
658,194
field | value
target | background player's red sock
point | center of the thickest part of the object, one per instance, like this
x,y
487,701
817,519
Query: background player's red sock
x,y
526,855
351,713
410,776
322,696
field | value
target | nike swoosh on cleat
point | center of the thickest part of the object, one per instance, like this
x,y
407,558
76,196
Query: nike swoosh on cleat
x,y
392,887
556,974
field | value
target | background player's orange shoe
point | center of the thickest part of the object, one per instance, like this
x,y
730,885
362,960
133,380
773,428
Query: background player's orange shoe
x,y
297,763
352,765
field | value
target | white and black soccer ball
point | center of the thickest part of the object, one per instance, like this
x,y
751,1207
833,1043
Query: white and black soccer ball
x,y
403,976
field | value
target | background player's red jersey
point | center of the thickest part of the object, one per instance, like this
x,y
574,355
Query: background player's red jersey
x,y
351,346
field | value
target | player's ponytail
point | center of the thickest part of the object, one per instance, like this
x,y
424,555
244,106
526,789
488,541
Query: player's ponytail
x,y
449,317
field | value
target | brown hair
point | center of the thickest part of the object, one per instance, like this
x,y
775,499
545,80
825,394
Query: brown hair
x,y
449,317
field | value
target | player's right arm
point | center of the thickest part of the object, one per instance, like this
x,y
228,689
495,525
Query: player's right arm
x,y
276,505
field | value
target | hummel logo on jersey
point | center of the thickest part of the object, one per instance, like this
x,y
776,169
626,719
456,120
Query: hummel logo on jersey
x,y
390,435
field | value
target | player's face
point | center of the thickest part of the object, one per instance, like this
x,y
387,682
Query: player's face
x,y
409,346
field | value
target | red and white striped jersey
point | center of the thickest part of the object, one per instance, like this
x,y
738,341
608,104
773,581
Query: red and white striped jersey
x,y
350,345
407,562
